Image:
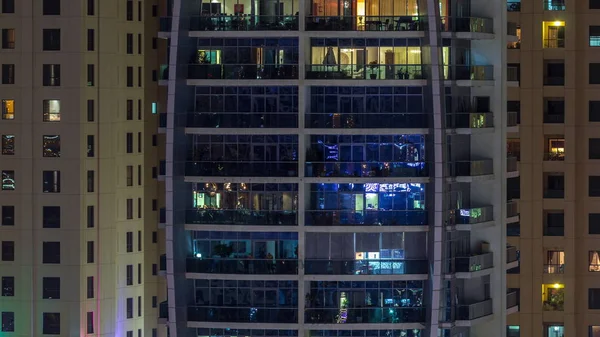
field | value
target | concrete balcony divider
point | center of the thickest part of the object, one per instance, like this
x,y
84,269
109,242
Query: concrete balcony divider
x,y
512,209
512,299
511,254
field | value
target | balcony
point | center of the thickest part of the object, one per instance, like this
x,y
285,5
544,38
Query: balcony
x,y
554,156
473,120
471,266
366,218
554,231
162,264
241,217
366,169
163,312
511,29
366,267
242,71
467,25
368,72
512,211
465,218
512,119
242,266
348,120
471,168
470,312
242,315
241,169
554,80
243,23
366,315
365,23
512,74
469,73
554,269
513,5
512,302
512,256
162,217
554,118
554,193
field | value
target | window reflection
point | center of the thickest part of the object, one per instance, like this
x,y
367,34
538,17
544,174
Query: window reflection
x,y
245,245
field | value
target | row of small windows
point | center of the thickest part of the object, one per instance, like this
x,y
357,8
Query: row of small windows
x,y
53,7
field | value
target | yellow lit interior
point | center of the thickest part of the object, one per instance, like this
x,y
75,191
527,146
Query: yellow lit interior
x,y
550,30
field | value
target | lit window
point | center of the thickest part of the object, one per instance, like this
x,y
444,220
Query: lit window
x,y
154,107
8,109
554,34
553,297
594,36
556,148
516,45
51,146
8,145
8,180
594,261
51,110
556,331
555,262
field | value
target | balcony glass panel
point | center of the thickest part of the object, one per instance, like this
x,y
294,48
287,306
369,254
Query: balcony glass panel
x,y
366,156
243,204
512,299
473,215
369,204
474,311
365,267
244,22
469,72
244,301
473,25
365,302
244,107
365,23
242,156
553,297
231,58
475,120
511,254
471,167
471,263
367,333
367,107
218,332
512,209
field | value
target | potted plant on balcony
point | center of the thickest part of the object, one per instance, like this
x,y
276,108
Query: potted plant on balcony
x,y
374,67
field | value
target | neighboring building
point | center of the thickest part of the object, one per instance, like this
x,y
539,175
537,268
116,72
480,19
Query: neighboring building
x,y
337,168
554,69
78,230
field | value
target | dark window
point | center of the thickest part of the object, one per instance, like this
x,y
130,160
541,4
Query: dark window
x,y
594,4
129,208
139,175
554,110
154,75
90,287
154,10
8,74
91,7
139,310
51,39
90,75
129,110
8,321
129,43
129,175
51,7
139,77
555,224
594,111
139,330
8,216
51,288
51,217
8,6
594,298
154,43
90,252
90,181
139,238
139,109
554,73
594,148
154,237
154,140
8,250
139,209
90,146
154,269
154,332
8,286
129,309
594,186
129,10
139,273
90,216
51,181
90,40
129,76
90,110
8,180
51,75
139,44
51,323
129,275
8,38
594,73
154,301
129,142
129,242
594,32
139,142
130,333
8,145
140,11
51,252
90,322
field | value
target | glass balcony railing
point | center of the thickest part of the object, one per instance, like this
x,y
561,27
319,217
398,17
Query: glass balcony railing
x,y
241,217
511,254
554,269
242,71
242,315
165,24
513,5
512,119
471,168
512,209
366,218
365,315
243,22
469,73
366,169
512,299
367,120
512,165
239,120
462,25
474,311
365,23
471,263
365,267
366,71
474,215
242,169
242,266
473,120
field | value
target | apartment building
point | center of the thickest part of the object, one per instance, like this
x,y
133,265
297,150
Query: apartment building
x,y
337,168
555,68
78,231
